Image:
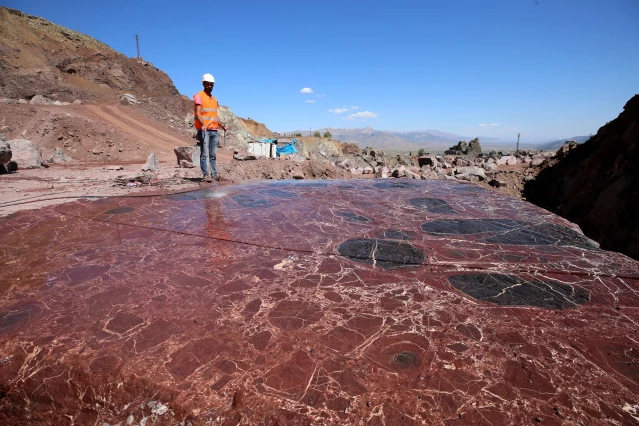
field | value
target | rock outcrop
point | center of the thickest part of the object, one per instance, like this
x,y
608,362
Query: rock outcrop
x,y
596,184
471,149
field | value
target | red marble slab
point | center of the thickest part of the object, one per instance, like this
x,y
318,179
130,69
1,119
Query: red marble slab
x,y
368,302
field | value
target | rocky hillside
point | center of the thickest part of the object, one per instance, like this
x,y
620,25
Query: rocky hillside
x,y
40,57
596,184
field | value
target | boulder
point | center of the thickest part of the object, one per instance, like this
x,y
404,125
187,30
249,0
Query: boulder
x,y
497,183
187,156
77,102
383,173
399,172
537,160
412,175
5,152
426,160
152,163
368,170
23,101
471,171
430,174
490,167
128,99
7,101
506,159
39,99
26,154
9,167
59,157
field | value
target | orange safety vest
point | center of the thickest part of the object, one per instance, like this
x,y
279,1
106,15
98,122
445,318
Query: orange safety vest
x,y
208,112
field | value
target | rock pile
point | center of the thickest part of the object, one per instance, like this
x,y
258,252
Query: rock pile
x,y
481,168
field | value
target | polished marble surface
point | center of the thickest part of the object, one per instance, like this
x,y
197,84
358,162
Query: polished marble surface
x,y
327,302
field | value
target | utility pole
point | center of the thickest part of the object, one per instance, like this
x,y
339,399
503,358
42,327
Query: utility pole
x,y
518,135
137,43
310,132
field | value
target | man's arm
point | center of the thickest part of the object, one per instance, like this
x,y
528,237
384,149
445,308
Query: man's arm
x,y
198,113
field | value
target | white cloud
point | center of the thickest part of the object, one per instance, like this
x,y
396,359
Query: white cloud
x,y
482,125
310,101
489,125
494,124
342,109
363,115
306,90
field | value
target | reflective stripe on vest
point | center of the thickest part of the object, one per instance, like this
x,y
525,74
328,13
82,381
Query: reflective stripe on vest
x,y
208,111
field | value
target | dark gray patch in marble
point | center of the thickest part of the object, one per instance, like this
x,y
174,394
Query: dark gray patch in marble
x,y
511,290
547,234
392,184
434,205
250,201
353,217
278,193
396,234
383,253
405,359
469,226
120,210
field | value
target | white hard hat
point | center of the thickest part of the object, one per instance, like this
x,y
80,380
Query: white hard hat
x,y
208,77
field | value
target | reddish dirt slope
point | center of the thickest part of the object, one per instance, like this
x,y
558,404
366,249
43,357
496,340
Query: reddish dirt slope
x,y
107,132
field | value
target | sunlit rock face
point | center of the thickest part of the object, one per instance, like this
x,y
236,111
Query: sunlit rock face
x,y
366,302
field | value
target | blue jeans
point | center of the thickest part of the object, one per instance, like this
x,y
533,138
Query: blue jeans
x,y
208,140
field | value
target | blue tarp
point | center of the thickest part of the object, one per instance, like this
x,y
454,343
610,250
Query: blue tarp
x,y
288,149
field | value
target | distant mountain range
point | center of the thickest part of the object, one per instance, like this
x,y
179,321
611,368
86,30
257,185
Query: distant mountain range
x,y
428,139
404,141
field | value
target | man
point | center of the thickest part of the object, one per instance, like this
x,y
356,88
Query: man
x,y
206,122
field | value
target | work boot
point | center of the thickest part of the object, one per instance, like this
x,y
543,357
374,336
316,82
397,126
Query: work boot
x,y
208,179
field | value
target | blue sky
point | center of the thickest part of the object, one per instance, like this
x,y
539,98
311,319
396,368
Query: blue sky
x,y
546,69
